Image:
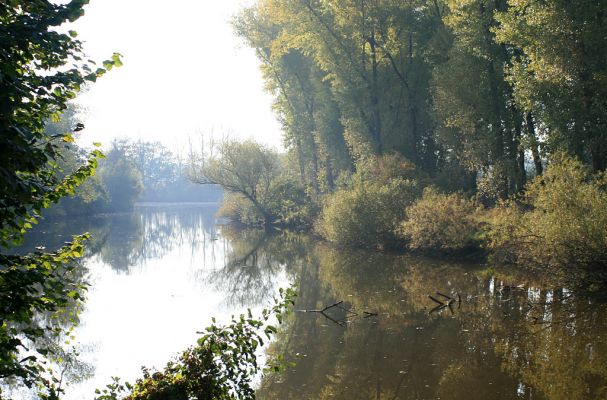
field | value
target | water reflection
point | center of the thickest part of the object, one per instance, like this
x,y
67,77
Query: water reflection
x,y
160,274
157,277
255,263
509,338
125,240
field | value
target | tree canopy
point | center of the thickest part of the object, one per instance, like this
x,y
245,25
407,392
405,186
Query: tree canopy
x,y
480,90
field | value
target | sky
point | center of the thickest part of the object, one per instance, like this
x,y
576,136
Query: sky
x,y
185,73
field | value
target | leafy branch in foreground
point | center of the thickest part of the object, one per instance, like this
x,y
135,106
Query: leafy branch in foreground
x,y
41,70
221,366
38,294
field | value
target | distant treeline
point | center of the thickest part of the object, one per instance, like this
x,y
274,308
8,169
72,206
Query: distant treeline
x,y
132,171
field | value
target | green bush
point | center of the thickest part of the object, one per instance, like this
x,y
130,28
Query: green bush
x,y
291,204
560,221
440,221
367,213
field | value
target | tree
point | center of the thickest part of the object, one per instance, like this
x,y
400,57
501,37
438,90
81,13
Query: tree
x,y
244,168
559,75
351,78
303,102
121,179
36,83
90,195
478,121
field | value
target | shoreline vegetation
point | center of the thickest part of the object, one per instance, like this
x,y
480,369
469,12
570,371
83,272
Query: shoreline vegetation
x,y
445,127
557,223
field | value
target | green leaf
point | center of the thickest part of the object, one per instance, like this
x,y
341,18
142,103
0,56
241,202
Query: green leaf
x,y
116,59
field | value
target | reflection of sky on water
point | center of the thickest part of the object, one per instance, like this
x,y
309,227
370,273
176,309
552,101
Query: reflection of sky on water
x,y
159,274
155,281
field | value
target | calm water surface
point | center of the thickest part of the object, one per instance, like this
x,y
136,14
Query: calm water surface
x,y
160,273
157,277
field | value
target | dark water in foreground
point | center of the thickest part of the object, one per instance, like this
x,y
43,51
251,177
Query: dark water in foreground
x,y
160,273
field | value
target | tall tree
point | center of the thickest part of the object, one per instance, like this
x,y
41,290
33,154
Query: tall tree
x,y
303,102
560,74
372,56
477,118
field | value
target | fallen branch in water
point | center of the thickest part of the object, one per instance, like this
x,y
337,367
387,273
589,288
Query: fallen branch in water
x,y
437,308
442,305
444,295
326,308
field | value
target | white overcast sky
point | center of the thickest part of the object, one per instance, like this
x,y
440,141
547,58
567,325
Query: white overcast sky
x,y
185,72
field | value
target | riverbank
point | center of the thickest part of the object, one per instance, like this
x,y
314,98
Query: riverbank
x,y
558,223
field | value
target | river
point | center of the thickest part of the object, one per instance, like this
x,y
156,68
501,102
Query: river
x,y
160,273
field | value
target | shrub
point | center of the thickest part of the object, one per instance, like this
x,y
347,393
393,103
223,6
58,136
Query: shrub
x,y
366,214
384,168
440,221
560,221
291,204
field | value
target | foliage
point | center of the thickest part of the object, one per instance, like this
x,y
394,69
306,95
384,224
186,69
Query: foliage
x,y
260,191
558,71
475,87
121,179
292,204
470,91
36,84
384,168
367,213
478,121
90,195
163,173
221,366
560,221
350,79
238,208
440,221
367,210
34,88
245,168
34,285
134,171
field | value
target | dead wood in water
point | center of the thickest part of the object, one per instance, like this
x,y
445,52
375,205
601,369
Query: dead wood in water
x,y
442,305
349,313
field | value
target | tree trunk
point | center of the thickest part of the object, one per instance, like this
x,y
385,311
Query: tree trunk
x,y
375,97
537,160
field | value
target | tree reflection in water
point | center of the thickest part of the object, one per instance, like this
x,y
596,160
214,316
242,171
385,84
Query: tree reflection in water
x,y
538,340
151,233
508,342
255,262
